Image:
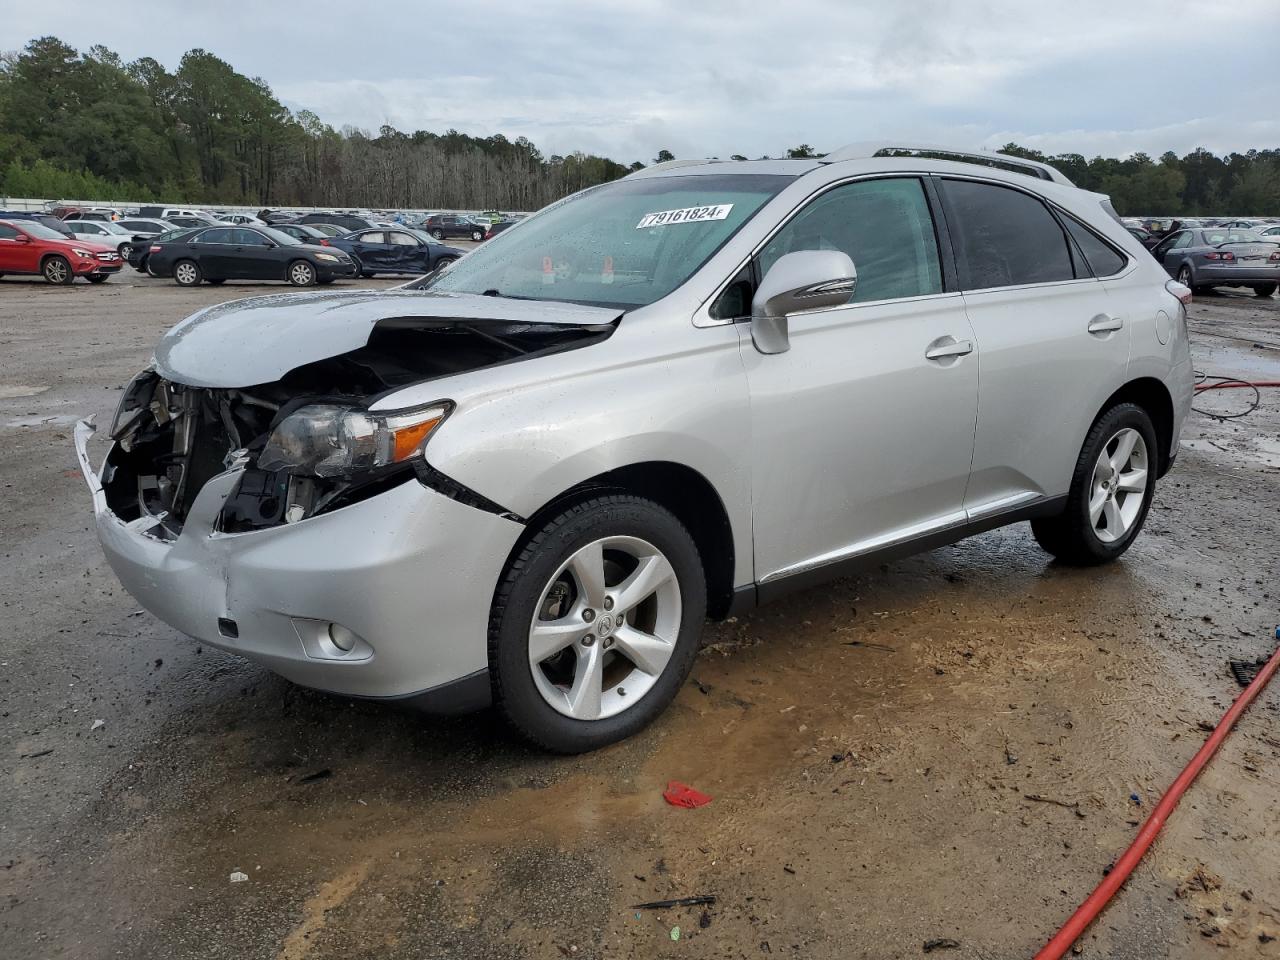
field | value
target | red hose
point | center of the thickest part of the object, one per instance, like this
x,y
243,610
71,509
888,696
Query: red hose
x,y
1236,385
1089,910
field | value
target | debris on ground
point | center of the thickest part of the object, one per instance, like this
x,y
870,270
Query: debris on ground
x,y
708,899
1246,671
38,753
238,877
870,645
324,774
1199,880
704,921
97,725
675,933
941,943
682,795
1072,805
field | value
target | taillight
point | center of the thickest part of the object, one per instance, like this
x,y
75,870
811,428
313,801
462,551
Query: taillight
x,y
1178,290
488,233
1275,257
1225,255
155,248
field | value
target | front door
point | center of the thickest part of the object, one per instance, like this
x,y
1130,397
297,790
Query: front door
x,y
863,429
17,251
256,257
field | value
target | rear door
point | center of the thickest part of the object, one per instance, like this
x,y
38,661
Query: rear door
x,y
212,250
17,251
1052,347
863,430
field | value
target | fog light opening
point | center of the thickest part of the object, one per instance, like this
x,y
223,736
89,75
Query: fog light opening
x,y
342,638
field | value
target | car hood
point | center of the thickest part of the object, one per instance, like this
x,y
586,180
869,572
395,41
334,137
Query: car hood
x,y
244,343
73,243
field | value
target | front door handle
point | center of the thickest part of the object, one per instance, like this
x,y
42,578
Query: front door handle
x,y
1104,323
945,347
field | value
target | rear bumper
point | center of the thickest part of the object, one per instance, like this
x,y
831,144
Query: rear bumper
x,y
410,572
1265,272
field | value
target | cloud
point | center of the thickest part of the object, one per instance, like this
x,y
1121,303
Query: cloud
x,y
716,77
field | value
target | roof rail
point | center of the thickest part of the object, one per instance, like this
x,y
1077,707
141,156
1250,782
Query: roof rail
x,y
870,148
672,164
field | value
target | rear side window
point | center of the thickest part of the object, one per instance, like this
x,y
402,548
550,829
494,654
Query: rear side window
x,y
1102,258
1004,237
883,225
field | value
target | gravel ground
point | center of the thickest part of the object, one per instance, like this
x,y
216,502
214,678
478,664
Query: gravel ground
x,y
872,746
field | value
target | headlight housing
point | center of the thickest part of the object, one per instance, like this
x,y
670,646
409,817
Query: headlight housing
x,y
337,440
326,256
82,253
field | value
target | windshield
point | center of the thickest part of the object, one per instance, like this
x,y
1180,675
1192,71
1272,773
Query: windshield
x,y
41,232
624,244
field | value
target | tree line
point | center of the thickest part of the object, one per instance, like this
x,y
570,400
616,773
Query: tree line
x,y
89,125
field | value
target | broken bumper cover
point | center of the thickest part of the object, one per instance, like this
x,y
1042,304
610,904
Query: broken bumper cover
x,y
409,572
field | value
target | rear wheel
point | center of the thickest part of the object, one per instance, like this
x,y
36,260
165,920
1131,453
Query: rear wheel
x,y
1264,289
57,270
301,273
444,262
1111,490
477,235
595,623
1185,278
186,273
438,233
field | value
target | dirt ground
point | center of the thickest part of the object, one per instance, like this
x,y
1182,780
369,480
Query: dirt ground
x,y
872,746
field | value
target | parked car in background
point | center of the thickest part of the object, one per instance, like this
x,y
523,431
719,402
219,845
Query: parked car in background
x,y
1221,256
1269,232
1243,224
305,232
1148,240
483,488
107,233
446,226
98,214
141,253
401,250
191,220
328,229
242,219
496,228
45,219
223,253
27,247
168,213
348,220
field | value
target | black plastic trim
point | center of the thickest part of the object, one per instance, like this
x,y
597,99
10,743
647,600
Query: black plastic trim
x,y
445,485
464,695
768,592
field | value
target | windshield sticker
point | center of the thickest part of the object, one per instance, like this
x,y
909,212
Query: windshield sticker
x,y
665,218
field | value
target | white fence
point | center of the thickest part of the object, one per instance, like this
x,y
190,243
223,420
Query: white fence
x,y
35,204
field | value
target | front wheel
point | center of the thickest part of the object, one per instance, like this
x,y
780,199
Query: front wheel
x,y
302,273
1111,491
477,235
97,278
57,270
595,623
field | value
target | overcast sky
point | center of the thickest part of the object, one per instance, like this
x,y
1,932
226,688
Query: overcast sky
x,y
713,78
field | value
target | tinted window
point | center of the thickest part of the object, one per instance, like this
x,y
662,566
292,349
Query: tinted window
x,y
249,238
883,225
221,235
1181,240
1103,260
1004,237
7,232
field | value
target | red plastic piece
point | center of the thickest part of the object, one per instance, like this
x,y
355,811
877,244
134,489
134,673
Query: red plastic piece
x,y
682,795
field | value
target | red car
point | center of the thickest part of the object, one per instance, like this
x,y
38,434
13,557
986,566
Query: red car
x,y
32,248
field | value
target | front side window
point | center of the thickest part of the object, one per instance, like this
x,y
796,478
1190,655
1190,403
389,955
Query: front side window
x,y
401,239
249,238
222,235
1004,237
8,233
883,225
373,236
624,244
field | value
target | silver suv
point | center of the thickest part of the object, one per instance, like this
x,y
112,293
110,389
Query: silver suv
x,y
527,479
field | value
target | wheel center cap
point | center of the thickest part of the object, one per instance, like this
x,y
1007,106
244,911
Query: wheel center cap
x,y
604,626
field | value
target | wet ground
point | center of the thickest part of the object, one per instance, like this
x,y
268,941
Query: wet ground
x,y
955,746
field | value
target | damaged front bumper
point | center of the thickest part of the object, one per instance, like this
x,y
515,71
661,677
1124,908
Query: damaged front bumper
x,y
387,597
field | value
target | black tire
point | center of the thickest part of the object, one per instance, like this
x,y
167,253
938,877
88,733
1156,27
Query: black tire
x,y
97,278
1264,290
124,250
1185,277
477,235
57,270
1070,536
187,273
359,267
515,692
301,273
444,262
438,233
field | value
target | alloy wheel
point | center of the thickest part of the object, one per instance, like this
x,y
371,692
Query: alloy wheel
x,y
55,270
185,273
1120,477
1184,276
301,274
605,628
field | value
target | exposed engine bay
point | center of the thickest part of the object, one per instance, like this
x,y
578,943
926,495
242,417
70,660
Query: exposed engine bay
x,y
171,438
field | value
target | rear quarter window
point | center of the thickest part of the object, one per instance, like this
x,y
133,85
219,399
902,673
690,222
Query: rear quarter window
x,y
1103,259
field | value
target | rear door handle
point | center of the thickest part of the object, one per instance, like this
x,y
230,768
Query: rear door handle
x,y
945,347
1103,323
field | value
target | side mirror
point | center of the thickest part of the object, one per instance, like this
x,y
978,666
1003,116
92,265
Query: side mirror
x,y
805,280
22,238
